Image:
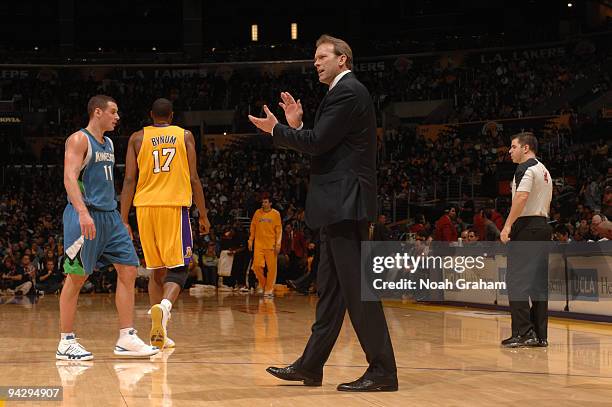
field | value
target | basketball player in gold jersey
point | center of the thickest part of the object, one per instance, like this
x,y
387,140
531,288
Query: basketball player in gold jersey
x,y
163,158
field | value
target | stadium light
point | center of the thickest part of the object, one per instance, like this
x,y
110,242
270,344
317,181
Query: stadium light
x,y
254,33
570,5
294,31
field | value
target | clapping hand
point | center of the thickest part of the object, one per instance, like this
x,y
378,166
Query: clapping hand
x,y
293,110
266,124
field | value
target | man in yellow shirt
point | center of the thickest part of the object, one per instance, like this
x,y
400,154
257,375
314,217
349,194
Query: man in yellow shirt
x,y
161,178
265,243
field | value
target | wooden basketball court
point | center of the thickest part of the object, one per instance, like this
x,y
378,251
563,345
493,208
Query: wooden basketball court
x,y
445,356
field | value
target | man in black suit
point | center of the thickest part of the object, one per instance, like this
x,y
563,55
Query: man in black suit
x,y
341,201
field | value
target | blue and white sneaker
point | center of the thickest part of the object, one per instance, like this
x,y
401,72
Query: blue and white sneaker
x,y
71,349
132,345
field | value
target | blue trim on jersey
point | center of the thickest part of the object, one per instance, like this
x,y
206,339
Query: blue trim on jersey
x,y
97,176
87,132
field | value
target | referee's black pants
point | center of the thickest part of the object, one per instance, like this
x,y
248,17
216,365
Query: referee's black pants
x,y
527,275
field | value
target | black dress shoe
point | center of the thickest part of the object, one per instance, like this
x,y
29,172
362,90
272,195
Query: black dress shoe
x,y
365,384
292,373
529,339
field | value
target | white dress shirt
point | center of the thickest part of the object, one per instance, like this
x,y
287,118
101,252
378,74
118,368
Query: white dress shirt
x,y
338,77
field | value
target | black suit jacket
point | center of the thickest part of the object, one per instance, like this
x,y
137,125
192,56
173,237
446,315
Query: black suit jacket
x,y
343,149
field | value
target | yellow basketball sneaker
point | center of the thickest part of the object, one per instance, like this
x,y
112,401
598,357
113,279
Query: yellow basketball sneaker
x,y
159,321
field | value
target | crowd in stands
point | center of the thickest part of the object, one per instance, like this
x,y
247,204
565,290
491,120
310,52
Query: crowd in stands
x,y
32,200
581,170
479,90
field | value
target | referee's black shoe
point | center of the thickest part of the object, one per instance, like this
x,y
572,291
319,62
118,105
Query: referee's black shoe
x,y
518,341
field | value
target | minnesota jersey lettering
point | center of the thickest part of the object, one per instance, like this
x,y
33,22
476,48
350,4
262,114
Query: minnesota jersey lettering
x,y
96,177
101,156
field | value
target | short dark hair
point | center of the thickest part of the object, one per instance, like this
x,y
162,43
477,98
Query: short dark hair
x,y
265,195
162,108
527,138
341,47
98,102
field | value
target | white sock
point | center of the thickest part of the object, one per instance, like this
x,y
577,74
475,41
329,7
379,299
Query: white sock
x,y
166,303
64,335
125,331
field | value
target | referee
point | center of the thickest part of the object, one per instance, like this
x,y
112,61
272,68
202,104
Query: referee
x,y
527,271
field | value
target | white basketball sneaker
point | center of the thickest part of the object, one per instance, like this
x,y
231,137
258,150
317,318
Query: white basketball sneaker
x,y
132,345
71,349
159,322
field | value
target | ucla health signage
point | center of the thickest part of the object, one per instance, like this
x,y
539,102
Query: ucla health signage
x,y
583,284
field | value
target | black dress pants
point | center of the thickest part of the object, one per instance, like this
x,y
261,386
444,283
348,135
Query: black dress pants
x,y
339,290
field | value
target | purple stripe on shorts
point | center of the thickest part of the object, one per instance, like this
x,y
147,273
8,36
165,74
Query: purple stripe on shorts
x,y
187,238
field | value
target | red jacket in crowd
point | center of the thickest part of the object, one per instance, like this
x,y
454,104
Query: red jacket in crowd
x,y
445,230
293,241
